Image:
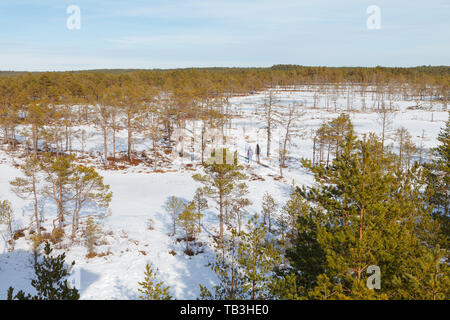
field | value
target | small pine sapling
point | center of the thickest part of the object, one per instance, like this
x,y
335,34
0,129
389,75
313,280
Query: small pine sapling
x,y
269,207
201,203
92,233
187,220
7,218
151,289
174,206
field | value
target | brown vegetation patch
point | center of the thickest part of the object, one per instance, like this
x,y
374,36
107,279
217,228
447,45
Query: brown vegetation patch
x,y
99,255
51,237
104,254
255,177
190,239
91,255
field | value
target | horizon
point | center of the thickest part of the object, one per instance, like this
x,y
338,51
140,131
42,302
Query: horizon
x,y
219,67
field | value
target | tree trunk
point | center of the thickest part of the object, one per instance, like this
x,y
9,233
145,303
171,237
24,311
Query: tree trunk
x,y
36,212
105,145
129,137
221,218
35,139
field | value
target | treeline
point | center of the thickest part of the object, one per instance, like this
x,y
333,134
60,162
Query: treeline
x,y
160,100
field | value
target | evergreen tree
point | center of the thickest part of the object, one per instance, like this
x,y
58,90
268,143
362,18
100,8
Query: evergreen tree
x,y
7,218
58,172
187,220
406,147
151,289
232,285
438,180
174,207
307,255
201,203
239,203
92,234
50,282
220,180
257,259
291,211
269,207
364,211
37,115
87,187
27,187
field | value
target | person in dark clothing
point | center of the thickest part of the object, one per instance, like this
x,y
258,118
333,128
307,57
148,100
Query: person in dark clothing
x,y
258,151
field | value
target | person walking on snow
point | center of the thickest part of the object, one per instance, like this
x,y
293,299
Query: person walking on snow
x,y
258,152
246,150
249,154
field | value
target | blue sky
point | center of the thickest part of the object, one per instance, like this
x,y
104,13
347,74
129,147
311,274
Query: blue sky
x,y
203,33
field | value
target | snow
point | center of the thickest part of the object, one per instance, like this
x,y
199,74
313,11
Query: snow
x,y
139,194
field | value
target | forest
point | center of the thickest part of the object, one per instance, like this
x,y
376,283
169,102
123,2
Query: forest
x,y
154,168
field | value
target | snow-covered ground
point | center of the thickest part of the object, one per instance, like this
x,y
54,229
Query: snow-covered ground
x,y
140,193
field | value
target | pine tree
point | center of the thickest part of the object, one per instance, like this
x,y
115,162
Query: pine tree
x,y
57,172
289,120
87,187
405,145
291,211
28,186
239,202
151,289
326,290
336,131
220,180
385,117
201,203
174,207
7,218
271,117
365,211
257,259
307,254
269,207
51,280
347,195
426,277
187,220
232,285
438,180
91,233
69,183
134,96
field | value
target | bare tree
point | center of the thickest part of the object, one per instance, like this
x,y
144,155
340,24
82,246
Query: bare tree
x,y
26,187
270,116
103,121
385,117
289,120
406,148
269,207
